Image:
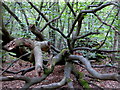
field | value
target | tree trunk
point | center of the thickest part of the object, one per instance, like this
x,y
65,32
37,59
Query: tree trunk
x,y
119,41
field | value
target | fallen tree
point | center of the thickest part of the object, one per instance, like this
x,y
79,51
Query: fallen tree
x,y
65,56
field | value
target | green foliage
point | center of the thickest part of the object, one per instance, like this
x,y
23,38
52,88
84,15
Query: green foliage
x,y
87,42
91,43
52,10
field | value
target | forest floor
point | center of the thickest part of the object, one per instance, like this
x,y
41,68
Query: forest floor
x,y
57,75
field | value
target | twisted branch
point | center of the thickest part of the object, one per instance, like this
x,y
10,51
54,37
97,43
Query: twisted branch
x,y
87,11
111,76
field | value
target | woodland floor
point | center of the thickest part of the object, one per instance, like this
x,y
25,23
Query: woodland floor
x,y
57,75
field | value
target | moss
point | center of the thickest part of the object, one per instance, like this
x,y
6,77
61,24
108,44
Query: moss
x,y
61,56
69,80
64,51
80,74
48,71
82,81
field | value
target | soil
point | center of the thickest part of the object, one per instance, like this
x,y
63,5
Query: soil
x,y
56,76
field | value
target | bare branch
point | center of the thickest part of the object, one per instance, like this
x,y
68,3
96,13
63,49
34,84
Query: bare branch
x,y
108,31
55,85
111,76
19,42
38,10
19,3
97,8
65,80
8,21
48,70
36,32
87,11
89,49
102,66
6,37
45,18
11,78
17,19
24,71
55,49
113,27
38,18
53,19
71,8
14,62
35,80
38,58
95,5
83,36
116,4
36,46
78,27
105,18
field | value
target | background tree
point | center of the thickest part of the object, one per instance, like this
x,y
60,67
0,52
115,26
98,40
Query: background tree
x,y
71,32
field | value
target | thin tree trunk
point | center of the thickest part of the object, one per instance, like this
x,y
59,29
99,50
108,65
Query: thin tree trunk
x,y
114,47
0,30
119,41
116,44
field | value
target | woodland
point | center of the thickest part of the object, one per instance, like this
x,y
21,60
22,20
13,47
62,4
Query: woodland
x,y
60,44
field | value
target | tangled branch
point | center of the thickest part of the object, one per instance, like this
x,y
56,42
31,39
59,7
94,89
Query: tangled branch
x,y
112,76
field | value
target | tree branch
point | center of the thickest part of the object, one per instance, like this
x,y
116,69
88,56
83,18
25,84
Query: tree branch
x,y
106,23
97,8
11,78
65,80
83,36
55,49
24,71
6,37
36,32
78,29
95,5
13,63
68,4
102,66
19,3
87,11
41,6
36,46
17,19
108,31
45,18
94,50
48,23
8,21
55,85
111,76
80,78
58,58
